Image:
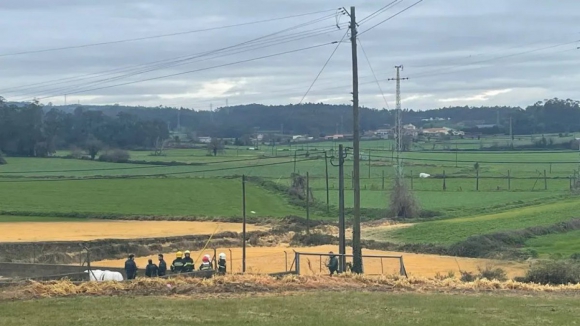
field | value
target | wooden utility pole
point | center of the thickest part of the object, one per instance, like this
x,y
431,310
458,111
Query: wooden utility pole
x,y
341,221
243,224
357,264
307,203
327,188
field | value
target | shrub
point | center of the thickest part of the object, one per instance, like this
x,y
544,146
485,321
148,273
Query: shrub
x,y
554,272
441,277
76,153
491,273
575,256
402,201
467,276
115,156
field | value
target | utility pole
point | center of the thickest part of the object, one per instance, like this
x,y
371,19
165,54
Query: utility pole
x,y
399,122
307,203
327,188
178,119
342,154
244,223
357,263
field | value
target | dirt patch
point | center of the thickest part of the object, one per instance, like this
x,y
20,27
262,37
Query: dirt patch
x,y
93,230
273,260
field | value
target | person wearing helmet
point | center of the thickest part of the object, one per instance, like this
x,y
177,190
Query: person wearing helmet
x,y
205,264
177,265
188,265
222,264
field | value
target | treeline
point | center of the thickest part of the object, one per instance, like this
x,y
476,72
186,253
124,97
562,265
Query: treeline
x,y
315,119
31,130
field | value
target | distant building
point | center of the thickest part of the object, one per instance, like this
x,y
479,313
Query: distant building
x,y
334,137
205,140
486,126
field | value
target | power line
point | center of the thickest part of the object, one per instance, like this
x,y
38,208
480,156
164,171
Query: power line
x,y
433,72
183,59
163,35
196,70
374,75
379,11
324,66
283,40
391,17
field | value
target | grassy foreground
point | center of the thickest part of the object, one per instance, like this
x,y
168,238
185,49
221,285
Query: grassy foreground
x,y
320,308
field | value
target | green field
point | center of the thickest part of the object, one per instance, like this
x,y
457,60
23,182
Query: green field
x,y
508,182
564,244
453,230
323,308
167,197
11,218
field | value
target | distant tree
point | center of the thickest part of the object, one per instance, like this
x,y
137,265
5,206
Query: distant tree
x,y
407,143
215,146
93,146
2,159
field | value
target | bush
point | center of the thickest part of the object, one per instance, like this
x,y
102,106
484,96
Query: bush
x,y
402,201
467,277
115,156
76,153
2,159
491,273
575,256
554,272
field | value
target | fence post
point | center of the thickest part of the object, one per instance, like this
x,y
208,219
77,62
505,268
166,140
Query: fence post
x,y
383,180
570,180
509,181
307,203
297,259
411,179
444,181
477,180
550,168
369,164
545,181
285,261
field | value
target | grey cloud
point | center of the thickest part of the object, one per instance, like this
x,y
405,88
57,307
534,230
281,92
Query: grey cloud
x,y
441,44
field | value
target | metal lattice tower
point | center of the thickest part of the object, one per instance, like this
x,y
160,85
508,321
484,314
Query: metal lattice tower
x,y
399,132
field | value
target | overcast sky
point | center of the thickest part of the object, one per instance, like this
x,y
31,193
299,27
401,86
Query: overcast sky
x,y
456,52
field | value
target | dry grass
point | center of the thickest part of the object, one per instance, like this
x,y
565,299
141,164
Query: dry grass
x,y
240,284
272,260
93,230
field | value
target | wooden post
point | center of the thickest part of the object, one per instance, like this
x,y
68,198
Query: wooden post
x,y
243,223
509,181
383,180
411,179
545,181
307,202
444,181
369,164
327,188
477,180
550,168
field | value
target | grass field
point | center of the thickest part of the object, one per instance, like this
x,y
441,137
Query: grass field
x,y
564,244
36,219
177,193
453,230
95,229
169,197
272,260
321,308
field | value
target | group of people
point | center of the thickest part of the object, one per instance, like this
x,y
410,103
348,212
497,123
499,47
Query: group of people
x,y
183,263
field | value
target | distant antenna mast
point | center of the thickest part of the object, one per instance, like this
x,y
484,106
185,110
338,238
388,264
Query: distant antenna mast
x,y
399,121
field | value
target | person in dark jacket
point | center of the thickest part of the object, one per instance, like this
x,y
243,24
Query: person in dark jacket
x,y
177,265
188,265
131,267
162,269
332,263
222,264
151,270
